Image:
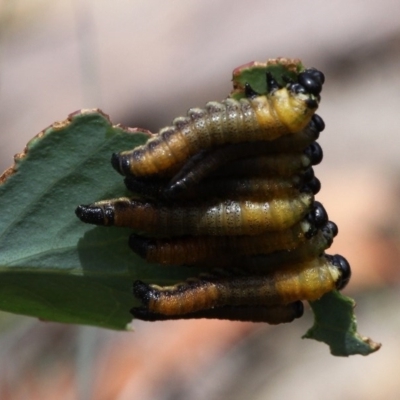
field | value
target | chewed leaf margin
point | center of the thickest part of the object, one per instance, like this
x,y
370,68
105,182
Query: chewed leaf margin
x,y
254,73
335,324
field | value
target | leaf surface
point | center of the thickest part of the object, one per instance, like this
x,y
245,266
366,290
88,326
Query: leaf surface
x,y
52,265
335,324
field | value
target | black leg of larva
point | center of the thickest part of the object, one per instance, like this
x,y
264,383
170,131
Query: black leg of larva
x,y
249,92
272,84
272,315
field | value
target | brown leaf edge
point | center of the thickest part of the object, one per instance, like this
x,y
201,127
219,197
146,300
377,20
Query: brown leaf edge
x,y
58,125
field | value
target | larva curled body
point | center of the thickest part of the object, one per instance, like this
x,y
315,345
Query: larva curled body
x,y
273,315
267,117
199,218
302,281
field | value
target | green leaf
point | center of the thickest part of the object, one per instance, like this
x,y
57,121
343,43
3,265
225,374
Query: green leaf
x,y
336,325
52,265
254,74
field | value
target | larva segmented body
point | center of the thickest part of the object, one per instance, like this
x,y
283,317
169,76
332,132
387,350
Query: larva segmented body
x,y
282,111
278,166
204,163
255,188
259,264
193,249
199,218
273,315
281,165
301,281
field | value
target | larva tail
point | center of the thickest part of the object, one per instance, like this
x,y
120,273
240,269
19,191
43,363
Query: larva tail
x,y
95,215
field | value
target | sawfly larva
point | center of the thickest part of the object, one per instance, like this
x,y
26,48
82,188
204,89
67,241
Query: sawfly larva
x,y
193,249
282,111
204,163
302,281
273,315
282,165
199,218
308,250
256,188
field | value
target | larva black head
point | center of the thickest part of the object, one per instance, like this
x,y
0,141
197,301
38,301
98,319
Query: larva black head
x,y
330,231
313,185
314,153
318,215
120,163
332,227
311,80
317,219
344,268
95,215
318,75
317,123
308,174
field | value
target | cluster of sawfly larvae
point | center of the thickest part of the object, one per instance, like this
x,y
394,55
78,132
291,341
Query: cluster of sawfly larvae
x,y
230,188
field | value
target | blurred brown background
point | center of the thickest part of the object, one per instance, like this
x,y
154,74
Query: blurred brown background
x,y
145,62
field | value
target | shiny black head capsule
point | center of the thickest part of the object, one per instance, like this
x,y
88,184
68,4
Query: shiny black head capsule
x,y
345,271
314,185
330,231
311,80
318,75
318,215
314,153
332,227
317,123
